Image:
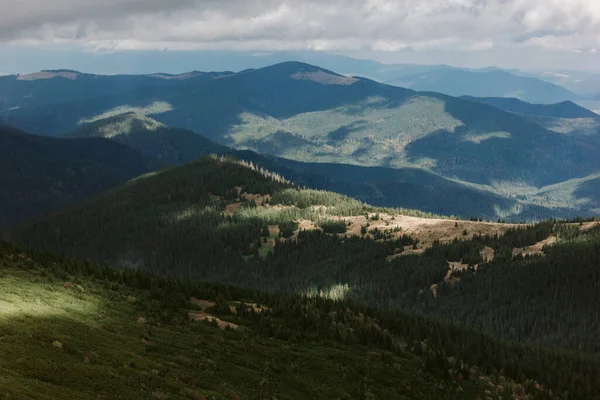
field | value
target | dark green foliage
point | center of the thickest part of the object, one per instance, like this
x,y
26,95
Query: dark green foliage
x,y
294,349
40,174
177,229
168,146
287,229
520,316
549,300
399,341
265,231
331,226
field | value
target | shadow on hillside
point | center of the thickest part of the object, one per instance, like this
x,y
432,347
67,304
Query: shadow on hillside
x,y
530,154
589,190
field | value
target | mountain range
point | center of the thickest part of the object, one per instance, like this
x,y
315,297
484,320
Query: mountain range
x,y
440,284
494,157
290,232
306,113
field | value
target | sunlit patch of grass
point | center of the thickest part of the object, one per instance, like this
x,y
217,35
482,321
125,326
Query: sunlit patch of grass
x,y
41,298
474,138
128,124
157,107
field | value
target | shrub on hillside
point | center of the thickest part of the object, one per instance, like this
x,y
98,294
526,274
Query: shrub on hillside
x,y
330,226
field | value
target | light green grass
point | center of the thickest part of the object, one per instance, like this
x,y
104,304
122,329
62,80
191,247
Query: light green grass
x,y
375,131
156,107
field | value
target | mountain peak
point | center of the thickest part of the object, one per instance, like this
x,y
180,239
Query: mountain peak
x,y
302,71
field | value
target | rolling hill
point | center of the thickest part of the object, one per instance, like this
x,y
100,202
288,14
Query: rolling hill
x,y
73,330
168,146
387,187
496,83
565,117
41,173
521,297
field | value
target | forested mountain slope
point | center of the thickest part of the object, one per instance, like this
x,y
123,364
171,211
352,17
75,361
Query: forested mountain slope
x,y
38,173
565,117
225,221
73,330
168,146
389,187
302,112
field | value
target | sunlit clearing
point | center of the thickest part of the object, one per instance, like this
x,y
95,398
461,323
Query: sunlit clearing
x,y
129,124
157,107
22,298
486,136
335,292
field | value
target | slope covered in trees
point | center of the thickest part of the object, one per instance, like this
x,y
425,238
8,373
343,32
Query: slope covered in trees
x,y
389,187
40,173
98,331
224,221
168,146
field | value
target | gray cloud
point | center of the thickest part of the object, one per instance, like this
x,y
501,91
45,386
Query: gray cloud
x,y
334,25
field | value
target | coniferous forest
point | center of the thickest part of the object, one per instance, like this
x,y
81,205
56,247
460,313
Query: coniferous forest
x,y
227,230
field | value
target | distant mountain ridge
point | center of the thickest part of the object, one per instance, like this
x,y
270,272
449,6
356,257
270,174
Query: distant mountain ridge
x,y
565,109
309,114
497,83
388,187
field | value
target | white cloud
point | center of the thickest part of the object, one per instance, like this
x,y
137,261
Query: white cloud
x,y
333,25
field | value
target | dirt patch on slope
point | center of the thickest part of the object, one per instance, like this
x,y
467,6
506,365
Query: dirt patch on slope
x,y
259,199
426,230
535,249
202,315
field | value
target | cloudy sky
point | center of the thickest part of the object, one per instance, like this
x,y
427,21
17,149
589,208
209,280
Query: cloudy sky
x,y
550,34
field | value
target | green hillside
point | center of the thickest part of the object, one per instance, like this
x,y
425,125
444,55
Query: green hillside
x,y
565,117
197,209
388,187
39,174
227,221
168,146
78,331
526,311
